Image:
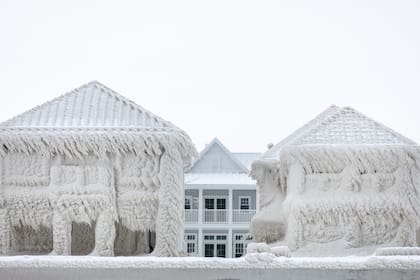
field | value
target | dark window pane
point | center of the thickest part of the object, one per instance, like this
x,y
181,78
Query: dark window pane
x,y
209,250
221,203
221,250
209,203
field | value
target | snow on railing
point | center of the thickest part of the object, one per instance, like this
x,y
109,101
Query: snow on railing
x,y
242,216
214,216
191,216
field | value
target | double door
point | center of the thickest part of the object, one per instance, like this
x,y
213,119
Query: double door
x,y
214,250
215,210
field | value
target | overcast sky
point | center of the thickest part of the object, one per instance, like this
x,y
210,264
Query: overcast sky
x,y
248,72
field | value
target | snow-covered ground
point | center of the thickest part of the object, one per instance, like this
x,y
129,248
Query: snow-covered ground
x,y
252,266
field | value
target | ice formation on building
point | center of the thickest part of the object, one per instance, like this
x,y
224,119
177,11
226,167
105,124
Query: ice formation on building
x,y
91,171
342,177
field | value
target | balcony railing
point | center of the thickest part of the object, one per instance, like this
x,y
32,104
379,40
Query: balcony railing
x,y
191,216
242,216
219,216
215,216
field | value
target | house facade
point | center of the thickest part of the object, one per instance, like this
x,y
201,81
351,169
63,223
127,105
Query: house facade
x,y
341,179
91,172
220,201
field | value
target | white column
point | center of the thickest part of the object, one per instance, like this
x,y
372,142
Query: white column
x,y
229,240
200,206
230,206
200,242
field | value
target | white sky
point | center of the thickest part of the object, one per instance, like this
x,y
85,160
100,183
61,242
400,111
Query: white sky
x,y
248,72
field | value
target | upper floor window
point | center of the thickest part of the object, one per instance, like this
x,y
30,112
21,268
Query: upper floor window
x,y
187,202
244,202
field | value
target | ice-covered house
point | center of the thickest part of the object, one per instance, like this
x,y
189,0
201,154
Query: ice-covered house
x,y
342,178
220,200
91,171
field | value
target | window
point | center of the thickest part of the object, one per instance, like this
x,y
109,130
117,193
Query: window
x,y
239,250
240,242
208,237
221,237
209,203
190,243
244,202
190,248
190,237
187,202
221,203
221,250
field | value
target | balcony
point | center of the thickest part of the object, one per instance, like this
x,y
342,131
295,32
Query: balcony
x,y
242,216
215,216
191,216
219,216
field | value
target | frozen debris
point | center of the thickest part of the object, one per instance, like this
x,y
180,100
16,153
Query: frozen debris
x,y
258,248
280,251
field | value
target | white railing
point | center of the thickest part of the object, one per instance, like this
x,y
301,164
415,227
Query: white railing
x,y
242,216
191,216
214,216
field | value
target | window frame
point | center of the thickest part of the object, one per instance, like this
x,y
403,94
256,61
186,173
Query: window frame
x,y
240,202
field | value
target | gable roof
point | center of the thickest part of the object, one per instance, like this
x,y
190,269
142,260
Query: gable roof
x,y
89,107
217,142
93,118
340,126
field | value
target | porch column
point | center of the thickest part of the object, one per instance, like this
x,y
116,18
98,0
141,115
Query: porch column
x,y
4,232
229,240
200,243
104,235
61,234
200,206
230,206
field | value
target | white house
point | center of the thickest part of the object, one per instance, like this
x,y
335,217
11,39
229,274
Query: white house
x,y
92,172
341,178
220,200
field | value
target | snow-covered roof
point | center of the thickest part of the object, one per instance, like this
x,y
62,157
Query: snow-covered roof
x,y
92,118
92,106
246,158
218,179
340,126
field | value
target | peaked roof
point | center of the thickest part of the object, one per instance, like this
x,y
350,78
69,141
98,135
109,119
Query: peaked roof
x,y
91,106
217,142
92,118
340,126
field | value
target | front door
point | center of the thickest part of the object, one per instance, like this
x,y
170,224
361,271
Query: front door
x,y
209,250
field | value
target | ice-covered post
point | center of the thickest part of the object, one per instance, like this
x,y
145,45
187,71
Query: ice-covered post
x,y
61,234
105,234
295,187
4,229
169,219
